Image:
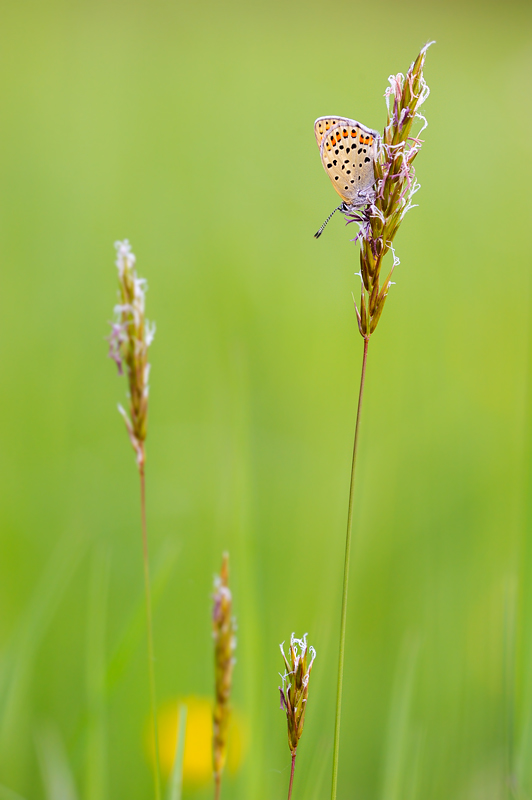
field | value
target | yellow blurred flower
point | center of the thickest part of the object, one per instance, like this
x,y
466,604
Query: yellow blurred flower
x,y
197,759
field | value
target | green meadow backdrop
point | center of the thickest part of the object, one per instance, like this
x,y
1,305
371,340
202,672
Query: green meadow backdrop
x,y
188,128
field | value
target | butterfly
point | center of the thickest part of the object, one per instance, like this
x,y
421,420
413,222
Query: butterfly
x,y
348,151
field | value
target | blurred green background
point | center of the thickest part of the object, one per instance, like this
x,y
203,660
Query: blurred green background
x,y
188,128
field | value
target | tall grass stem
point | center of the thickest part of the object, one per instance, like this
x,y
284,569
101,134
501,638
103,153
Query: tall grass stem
x,y
149,628
341,654
292,775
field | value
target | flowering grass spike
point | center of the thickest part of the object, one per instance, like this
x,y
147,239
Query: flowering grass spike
x,y
294,691
129,340
223,632
395,187
388,201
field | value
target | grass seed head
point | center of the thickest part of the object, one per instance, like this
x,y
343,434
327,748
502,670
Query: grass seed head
x,y
223,631
294,691
129,340
395,188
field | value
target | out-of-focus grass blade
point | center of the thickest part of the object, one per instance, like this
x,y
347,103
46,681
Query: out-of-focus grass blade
x,y
56,774
17,660
510,599
397,747
414,766
324,762
9,794
176,778
133,631
523,744
95,765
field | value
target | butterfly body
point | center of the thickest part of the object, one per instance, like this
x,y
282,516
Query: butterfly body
x,y
348,151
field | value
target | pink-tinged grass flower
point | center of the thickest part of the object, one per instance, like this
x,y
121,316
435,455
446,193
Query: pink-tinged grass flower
x,y
294,692
223,632
129,340
395,188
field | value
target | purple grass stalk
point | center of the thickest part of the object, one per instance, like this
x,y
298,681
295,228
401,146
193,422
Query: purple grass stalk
x,y
395,186
129,341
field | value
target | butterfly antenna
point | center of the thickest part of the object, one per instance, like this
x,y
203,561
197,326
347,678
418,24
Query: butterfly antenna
x,y
318,233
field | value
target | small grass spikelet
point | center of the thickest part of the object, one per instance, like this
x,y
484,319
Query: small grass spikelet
x,y
223,632
395,188
294,691
129,340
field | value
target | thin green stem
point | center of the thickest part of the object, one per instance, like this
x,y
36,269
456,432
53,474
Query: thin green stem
x,y
149,627
346,581
292,775
176,778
